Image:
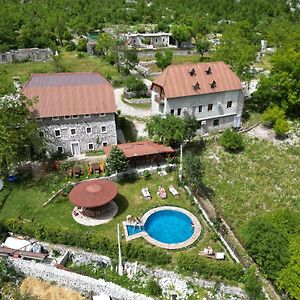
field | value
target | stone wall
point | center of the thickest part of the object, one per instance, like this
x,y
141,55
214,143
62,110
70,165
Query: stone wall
x,y
80,283
32,54
80,124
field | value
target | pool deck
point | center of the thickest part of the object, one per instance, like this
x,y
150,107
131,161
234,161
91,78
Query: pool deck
x,y
144,234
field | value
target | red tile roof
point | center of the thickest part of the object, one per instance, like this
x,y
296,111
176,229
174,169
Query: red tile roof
x,y
179,80
65,94
140,149
93,193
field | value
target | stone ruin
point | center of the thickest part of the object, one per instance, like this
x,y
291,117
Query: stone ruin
x,y
29,54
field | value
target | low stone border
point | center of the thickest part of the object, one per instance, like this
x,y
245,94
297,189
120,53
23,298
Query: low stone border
x,y
149,239
105,218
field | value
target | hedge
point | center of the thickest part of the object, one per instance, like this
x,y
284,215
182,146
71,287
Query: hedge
x,y
88,241
209,268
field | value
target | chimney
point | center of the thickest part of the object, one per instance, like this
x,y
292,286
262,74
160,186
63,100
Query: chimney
x,y
196,86
213,84
208,71
192,72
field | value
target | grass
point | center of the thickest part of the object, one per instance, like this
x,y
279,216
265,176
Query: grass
x,y
262,178
70,62
26,199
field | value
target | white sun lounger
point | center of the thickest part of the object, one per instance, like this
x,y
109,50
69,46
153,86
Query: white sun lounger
x,y
146,194
173,191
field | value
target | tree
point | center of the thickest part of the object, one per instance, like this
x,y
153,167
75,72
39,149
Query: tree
x,y
134,84
105,43
18,131
252,285
171,129
232,141
267,243
81,46
192,169
131,58
116,162
163,58
181,33
203,46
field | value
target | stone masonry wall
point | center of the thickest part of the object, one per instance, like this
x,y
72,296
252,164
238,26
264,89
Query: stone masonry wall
x,y
80,124
33,54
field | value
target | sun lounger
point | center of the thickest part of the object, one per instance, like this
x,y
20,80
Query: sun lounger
x,y
173,191
146,194
161,192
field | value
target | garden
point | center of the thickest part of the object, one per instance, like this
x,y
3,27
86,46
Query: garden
x,y
23,212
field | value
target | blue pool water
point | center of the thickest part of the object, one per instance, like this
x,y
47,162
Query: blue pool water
x,y
169,226
134,229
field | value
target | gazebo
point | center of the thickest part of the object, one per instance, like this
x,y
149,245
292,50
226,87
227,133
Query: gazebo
x,y
93,198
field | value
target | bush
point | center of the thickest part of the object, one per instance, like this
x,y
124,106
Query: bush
x,y
153,288
209,268
134,84
70,46
271,115
88,241
81,46
281,127
146,174
232,141
80,55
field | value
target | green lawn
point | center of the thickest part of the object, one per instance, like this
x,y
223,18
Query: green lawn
x,y
69,61
262,178
26,200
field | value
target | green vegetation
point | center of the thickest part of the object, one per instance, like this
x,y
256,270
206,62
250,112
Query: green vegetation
x,y
256,192
171,129
231,140
116,161
134,84
54,222
163,58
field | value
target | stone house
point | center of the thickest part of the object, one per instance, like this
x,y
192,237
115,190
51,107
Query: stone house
x,y
76,111
150,40
32,54
211,92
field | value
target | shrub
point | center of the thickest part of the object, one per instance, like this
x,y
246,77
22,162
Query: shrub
x,y
116,162
70,46
153,288
146,174
232,141
80,55
281,127
81,46
272,114
134,84
209,268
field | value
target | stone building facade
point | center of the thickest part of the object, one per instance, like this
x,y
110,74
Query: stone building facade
x,y
211,92
76,111
32,54
74,135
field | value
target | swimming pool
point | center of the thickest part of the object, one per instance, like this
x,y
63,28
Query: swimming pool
x,y
169,226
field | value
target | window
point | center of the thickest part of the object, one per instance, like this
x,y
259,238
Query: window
x,y
75,117
42,134
172,112
210,107
229,104
104,144
67,117
87,116
102,115
155,40
179,111
103,129
91,146
55,118
73,131
200,108
57,132
216,122
89,130
60,149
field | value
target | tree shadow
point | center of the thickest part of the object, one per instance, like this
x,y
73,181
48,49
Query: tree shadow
x,y
206,191
196,146
122,203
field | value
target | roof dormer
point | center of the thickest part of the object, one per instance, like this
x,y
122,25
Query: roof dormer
x,y
192,72
213,84
208,71
196,86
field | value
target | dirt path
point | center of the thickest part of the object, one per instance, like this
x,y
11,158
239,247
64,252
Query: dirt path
x,y
45,291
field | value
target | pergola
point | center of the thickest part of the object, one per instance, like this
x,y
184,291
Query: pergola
x,y
94,196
